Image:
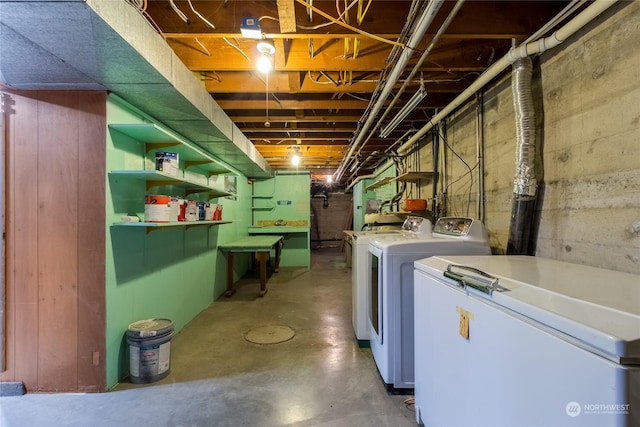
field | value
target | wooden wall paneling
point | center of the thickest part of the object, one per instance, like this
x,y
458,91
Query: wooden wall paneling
x,y
91,243
21,243
57,169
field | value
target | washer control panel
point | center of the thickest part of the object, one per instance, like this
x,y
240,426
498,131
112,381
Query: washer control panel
x,y
416,224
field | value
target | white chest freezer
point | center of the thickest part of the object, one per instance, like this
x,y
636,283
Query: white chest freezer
x,y
540,343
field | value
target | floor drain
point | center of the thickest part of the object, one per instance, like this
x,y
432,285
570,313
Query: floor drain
x,y
269,334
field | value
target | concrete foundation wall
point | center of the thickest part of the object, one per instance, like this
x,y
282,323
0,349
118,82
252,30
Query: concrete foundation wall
x,y
331,221
587,106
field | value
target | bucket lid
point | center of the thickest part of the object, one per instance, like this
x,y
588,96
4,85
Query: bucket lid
x,y
149,328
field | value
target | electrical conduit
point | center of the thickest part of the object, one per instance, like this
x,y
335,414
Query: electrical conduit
x,y
424,56
421,29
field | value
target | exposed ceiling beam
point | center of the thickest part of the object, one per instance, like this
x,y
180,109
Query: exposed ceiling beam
x,y
432,101
294,119
287,16
241,55
316,82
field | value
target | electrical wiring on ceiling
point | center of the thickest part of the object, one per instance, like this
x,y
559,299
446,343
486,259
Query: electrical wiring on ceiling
x,y
181,14
236,47
178,11
141,7
206,51
349,27
317,27
199,15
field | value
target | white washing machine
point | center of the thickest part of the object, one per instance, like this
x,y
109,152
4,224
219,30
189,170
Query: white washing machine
x,y
514,341
391,281
359,279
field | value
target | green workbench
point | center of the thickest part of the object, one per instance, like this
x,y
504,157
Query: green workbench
x,y
297,246
260,245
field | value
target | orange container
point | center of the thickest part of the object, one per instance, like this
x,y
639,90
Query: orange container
x,y
415,205
157,208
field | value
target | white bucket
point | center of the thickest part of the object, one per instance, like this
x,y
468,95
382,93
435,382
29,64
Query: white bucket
x,y
149,350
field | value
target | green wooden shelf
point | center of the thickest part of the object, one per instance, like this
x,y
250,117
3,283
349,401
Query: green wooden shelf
x,y
380,183
168,224
264,206
157,138
414,177
150,226
155,178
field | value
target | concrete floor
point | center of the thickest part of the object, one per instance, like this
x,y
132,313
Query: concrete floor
x,y
319,378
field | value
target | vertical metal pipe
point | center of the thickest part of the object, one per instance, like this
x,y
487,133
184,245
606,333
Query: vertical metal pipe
x,y
441,129
4,100
435,152
480,154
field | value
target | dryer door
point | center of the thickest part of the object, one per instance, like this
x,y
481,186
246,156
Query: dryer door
x,y
375,281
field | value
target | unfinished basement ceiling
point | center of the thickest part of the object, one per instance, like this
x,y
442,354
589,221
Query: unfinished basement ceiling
x,y
332,68
319,95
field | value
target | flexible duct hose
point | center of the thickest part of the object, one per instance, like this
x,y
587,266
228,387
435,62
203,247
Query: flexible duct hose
x,y
524,182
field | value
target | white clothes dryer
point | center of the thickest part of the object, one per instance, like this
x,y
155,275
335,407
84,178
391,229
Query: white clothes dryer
x,y
391,310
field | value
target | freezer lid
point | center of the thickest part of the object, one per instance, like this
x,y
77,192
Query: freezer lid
x,y
598,307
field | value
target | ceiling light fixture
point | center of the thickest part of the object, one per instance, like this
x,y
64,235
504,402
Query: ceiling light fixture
x,y
250,28
404,111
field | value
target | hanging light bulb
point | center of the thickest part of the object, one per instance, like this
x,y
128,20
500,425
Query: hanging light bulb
x,y
266,49
295,157
264,64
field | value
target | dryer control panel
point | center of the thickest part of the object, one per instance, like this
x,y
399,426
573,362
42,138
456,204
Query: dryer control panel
x,y
453,226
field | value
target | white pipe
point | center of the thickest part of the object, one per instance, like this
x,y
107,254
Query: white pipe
x,y
358,179
421,28
586,16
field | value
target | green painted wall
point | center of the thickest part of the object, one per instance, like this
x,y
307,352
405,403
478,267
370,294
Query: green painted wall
x,y
170,273
360,198
287,196
386,191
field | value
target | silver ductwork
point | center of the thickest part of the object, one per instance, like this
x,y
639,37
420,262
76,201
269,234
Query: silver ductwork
x,y
524,182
